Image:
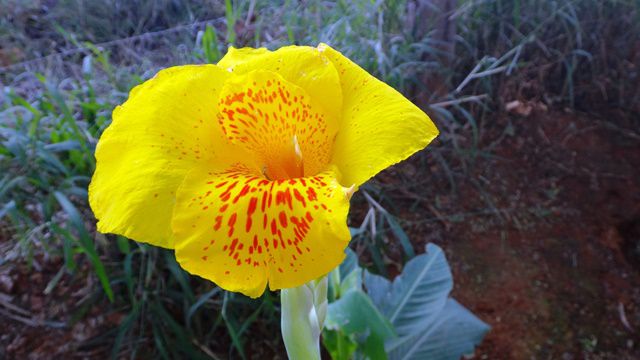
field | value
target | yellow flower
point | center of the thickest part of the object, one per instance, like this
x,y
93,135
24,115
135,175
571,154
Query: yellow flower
x,y
246,167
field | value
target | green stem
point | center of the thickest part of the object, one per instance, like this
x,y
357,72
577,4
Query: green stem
x,y
303,312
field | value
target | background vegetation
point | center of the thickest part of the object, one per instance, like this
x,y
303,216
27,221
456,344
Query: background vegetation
x,y
485,70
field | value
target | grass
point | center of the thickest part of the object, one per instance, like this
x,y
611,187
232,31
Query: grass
x,y
576,54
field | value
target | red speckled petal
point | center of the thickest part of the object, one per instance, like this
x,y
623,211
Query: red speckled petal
x,y
303,66
271,117
240,230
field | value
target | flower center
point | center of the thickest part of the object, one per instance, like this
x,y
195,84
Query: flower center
x,y
289,165
278,123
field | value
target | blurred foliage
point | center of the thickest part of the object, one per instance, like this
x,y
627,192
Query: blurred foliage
x,y
53,109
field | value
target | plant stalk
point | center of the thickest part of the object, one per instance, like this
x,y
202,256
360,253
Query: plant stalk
x,y
303,312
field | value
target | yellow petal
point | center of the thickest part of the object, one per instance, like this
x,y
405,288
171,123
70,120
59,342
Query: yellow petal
x,y
241,231
167,125
303,66
278,123
235,56
379,126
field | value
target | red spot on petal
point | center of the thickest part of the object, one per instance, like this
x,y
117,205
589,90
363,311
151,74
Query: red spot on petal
x,y
283,219
299,197
242,193
231,223
217,224
311,194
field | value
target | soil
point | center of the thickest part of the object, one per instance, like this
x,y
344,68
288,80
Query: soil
x,y
544,237
542,234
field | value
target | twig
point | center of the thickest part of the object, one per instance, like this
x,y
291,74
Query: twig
x,y
31,322
627,132
206,350
23,317
252,6
5,301
427,203
623,317
474,75
373,202
465,99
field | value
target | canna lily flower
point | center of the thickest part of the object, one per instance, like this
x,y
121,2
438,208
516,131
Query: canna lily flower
x,y
246,168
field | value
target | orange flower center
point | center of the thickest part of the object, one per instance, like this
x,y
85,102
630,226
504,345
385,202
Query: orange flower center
x,y
278,123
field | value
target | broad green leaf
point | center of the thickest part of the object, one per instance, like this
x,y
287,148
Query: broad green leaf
x,y
339,346
354,313
428,323
350,273
349,263
417,295
346,276
455,332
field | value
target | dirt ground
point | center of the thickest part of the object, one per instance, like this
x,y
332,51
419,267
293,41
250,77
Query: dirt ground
x,y
544,242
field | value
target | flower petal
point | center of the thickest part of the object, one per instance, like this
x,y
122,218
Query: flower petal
x,y
304,66
235,56
241,231
167,125
277,122
379,127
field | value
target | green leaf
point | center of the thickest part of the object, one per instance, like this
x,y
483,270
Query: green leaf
x,y
399,233
123,244
230,15
354,313
231,322
4,210
455,332
63,146
123,329
201,300
428,323
210,45
179,275
349,263
85,242
417,295
339,345
350,273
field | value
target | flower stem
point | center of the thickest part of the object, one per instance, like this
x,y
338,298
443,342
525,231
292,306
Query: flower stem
x,y
303,312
